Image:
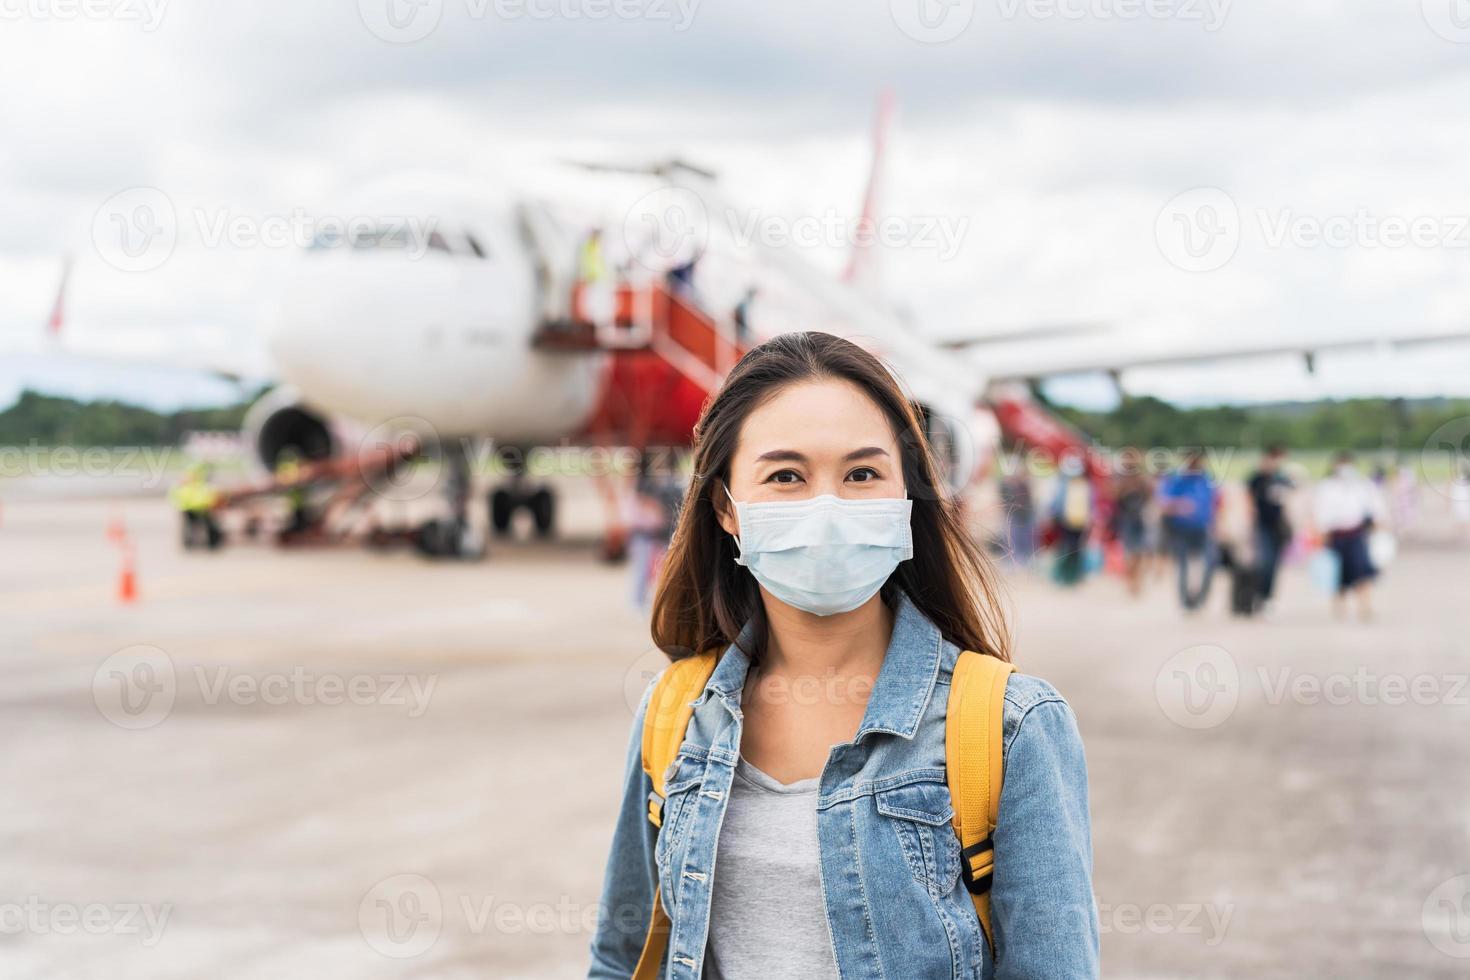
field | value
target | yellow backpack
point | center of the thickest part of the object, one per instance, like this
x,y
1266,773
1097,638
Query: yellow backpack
x,y
972,756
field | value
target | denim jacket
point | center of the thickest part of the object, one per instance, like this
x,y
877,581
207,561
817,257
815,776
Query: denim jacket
x,y
896,904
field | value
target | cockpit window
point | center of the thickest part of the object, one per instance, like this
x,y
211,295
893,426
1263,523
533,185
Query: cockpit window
x,y
437,242
475,247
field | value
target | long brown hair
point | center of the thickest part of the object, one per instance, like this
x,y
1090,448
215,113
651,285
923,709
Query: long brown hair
x,y
704,597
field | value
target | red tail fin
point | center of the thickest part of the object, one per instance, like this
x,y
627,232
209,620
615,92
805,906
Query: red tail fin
x,y
862,266
58,309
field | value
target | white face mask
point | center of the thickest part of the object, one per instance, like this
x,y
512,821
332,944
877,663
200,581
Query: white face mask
x,y
825,555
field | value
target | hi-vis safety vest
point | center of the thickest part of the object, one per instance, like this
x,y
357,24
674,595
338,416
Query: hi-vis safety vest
x,y
972,759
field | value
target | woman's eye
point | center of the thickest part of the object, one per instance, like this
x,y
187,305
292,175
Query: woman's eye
x,y
784,476
863,474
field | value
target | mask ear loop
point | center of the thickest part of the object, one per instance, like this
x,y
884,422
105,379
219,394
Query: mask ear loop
x,y
739,551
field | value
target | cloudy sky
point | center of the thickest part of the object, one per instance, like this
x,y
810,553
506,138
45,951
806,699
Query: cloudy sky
x,y
1198,174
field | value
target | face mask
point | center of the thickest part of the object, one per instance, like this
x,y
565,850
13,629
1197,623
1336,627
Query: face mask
x,y
824,555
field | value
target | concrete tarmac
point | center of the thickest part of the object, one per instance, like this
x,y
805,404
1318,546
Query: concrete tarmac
x,y
343,764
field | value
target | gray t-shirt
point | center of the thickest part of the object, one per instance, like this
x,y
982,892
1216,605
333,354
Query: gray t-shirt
x,y
768,919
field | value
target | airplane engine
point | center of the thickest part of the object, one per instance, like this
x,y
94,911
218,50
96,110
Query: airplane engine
x,y
280,422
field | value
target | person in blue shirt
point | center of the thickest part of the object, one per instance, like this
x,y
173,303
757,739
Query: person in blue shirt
x,y
1187,499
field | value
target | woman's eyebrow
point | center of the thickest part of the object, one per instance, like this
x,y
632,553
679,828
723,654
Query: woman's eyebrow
x,y
792,456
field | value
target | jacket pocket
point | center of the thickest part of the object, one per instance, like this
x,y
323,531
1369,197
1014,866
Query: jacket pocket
x,y
920,814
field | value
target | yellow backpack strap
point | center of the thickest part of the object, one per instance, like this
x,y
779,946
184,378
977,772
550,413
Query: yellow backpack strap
x,y
669,709
973,743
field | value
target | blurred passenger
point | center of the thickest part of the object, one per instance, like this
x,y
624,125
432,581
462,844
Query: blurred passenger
x,y
196,499
1404,499
1269,487
1135,493
741,316
1460,501
1236,546
1019,509
1071,513
654,507
1347,506
681,280
1187,499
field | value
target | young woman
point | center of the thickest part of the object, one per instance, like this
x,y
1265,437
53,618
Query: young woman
x,y
807,827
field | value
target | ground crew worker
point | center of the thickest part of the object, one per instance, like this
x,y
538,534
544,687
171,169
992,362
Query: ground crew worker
x,y
599,300
196,499
288,473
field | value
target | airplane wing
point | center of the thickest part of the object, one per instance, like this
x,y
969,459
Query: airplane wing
x,y
194,348
1113,355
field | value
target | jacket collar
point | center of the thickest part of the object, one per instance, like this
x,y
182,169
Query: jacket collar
x,y
905,681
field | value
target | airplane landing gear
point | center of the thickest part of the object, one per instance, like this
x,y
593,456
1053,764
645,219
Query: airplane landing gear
x,y
505,501
456,536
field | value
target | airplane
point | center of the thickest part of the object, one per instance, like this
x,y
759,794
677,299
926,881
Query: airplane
x,y
479,325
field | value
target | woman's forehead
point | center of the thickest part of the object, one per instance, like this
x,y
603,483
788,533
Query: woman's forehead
x,y
816,418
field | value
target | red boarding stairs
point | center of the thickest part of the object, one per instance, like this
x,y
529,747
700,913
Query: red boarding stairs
x,y
669,356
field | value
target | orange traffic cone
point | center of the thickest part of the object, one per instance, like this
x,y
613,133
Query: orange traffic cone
x,y
127,580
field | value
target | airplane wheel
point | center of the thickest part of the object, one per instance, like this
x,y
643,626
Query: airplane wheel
x,y
502,509
450,539
543,510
